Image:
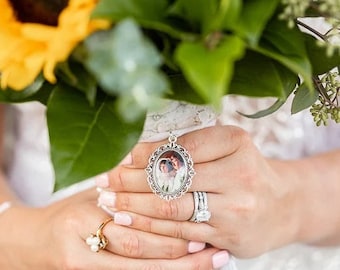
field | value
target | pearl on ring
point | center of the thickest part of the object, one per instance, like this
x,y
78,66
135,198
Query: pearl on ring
x,y
98,241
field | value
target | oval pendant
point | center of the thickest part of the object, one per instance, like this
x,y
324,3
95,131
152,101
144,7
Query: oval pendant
x,y
170,170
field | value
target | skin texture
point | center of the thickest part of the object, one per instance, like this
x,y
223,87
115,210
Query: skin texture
x,y
257,204
53,238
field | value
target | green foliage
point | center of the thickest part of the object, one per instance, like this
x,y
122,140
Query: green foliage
x,y
192,50
86,140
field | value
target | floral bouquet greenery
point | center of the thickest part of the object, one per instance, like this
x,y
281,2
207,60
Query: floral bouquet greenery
x,y
98,66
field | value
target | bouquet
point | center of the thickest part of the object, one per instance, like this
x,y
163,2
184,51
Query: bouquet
x,y
98,66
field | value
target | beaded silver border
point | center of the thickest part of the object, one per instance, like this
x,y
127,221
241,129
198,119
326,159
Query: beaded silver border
x,y
172,146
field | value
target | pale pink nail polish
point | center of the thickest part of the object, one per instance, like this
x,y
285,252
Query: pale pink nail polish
x,y
122,219
102,180
195,246
220,259
127,160
107,198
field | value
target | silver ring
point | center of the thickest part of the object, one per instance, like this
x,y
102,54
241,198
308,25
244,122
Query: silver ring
x,y
201,212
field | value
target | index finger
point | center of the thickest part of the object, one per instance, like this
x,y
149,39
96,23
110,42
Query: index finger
x,y
203,145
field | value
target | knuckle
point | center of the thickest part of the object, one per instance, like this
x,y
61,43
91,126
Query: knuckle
x,y
190,145
117,179
147,224
241,136
174,251
178,230
169,209
196,265
152,267
70,263
131,246
122,201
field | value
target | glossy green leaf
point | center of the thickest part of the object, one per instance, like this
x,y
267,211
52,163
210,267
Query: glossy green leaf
x,y
320,61
138,9
259,76
228,14
303,99
287,46
209,71
78,77
182,90
254,17
198,13
86,140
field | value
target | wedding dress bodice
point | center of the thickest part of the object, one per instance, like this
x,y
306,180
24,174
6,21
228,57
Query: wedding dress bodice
x,y
279,135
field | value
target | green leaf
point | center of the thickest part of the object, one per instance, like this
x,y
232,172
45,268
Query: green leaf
x,y
254,17
287,46
259,76
85,140
182,90
303,99
228,14
78,77
113,55
320,61
209,71
198,13
138,9
289,81
127,67
39,90
277,105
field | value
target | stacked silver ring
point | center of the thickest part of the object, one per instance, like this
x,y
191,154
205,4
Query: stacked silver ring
x,y
201,212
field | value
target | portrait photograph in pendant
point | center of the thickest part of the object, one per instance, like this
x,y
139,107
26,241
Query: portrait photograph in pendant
x,y
170,172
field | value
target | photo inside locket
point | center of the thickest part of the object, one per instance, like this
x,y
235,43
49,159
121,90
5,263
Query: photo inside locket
x,y
170,172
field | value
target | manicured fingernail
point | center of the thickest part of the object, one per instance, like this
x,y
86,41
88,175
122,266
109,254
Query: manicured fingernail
x,y
127,160
107,210
220,259
107,198
195,246
122,219
102,180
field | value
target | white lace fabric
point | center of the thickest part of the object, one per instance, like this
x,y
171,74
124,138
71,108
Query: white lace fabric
x,y
279,135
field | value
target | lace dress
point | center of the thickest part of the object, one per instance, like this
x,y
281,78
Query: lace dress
x,y
279,135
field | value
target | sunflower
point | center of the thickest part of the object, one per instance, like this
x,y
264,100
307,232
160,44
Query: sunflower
x,y
29,46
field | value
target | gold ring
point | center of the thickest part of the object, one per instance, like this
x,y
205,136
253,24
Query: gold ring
x,y
98,240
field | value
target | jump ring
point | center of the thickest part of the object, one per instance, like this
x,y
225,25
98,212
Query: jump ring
x,y
98,240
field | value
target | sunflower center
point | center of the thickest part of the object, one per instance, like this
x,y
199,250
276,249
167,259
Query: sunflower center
x,y
38,11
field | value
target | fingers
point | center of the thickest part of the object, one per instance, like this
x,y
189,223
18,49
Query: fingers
x,y
209,259
197,232
203,145
124,179
180,209
132,243
129,242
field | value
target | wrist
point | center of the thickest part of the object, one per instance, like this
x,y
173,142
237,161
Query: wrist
x,y
290,206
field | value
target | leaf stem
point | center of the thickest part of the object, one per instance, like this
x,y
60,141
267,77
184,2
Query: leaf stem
x,y
311,29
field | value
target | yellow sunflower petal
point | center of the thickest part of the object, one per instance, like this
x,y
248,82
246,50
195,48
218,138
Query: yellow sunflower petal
x,y
26,49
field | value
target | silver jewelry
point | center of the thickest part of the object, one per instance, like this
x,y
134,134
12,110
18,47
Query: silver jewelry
x,y
201,212
98,240
170,170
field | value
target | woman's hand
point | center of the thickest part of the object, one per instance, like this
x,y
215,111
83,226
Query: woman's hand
x,y
253,201
54,238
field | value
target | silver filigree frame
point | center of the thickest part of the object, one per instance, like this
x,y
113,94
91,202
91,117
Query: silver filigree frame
x,y
162,153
